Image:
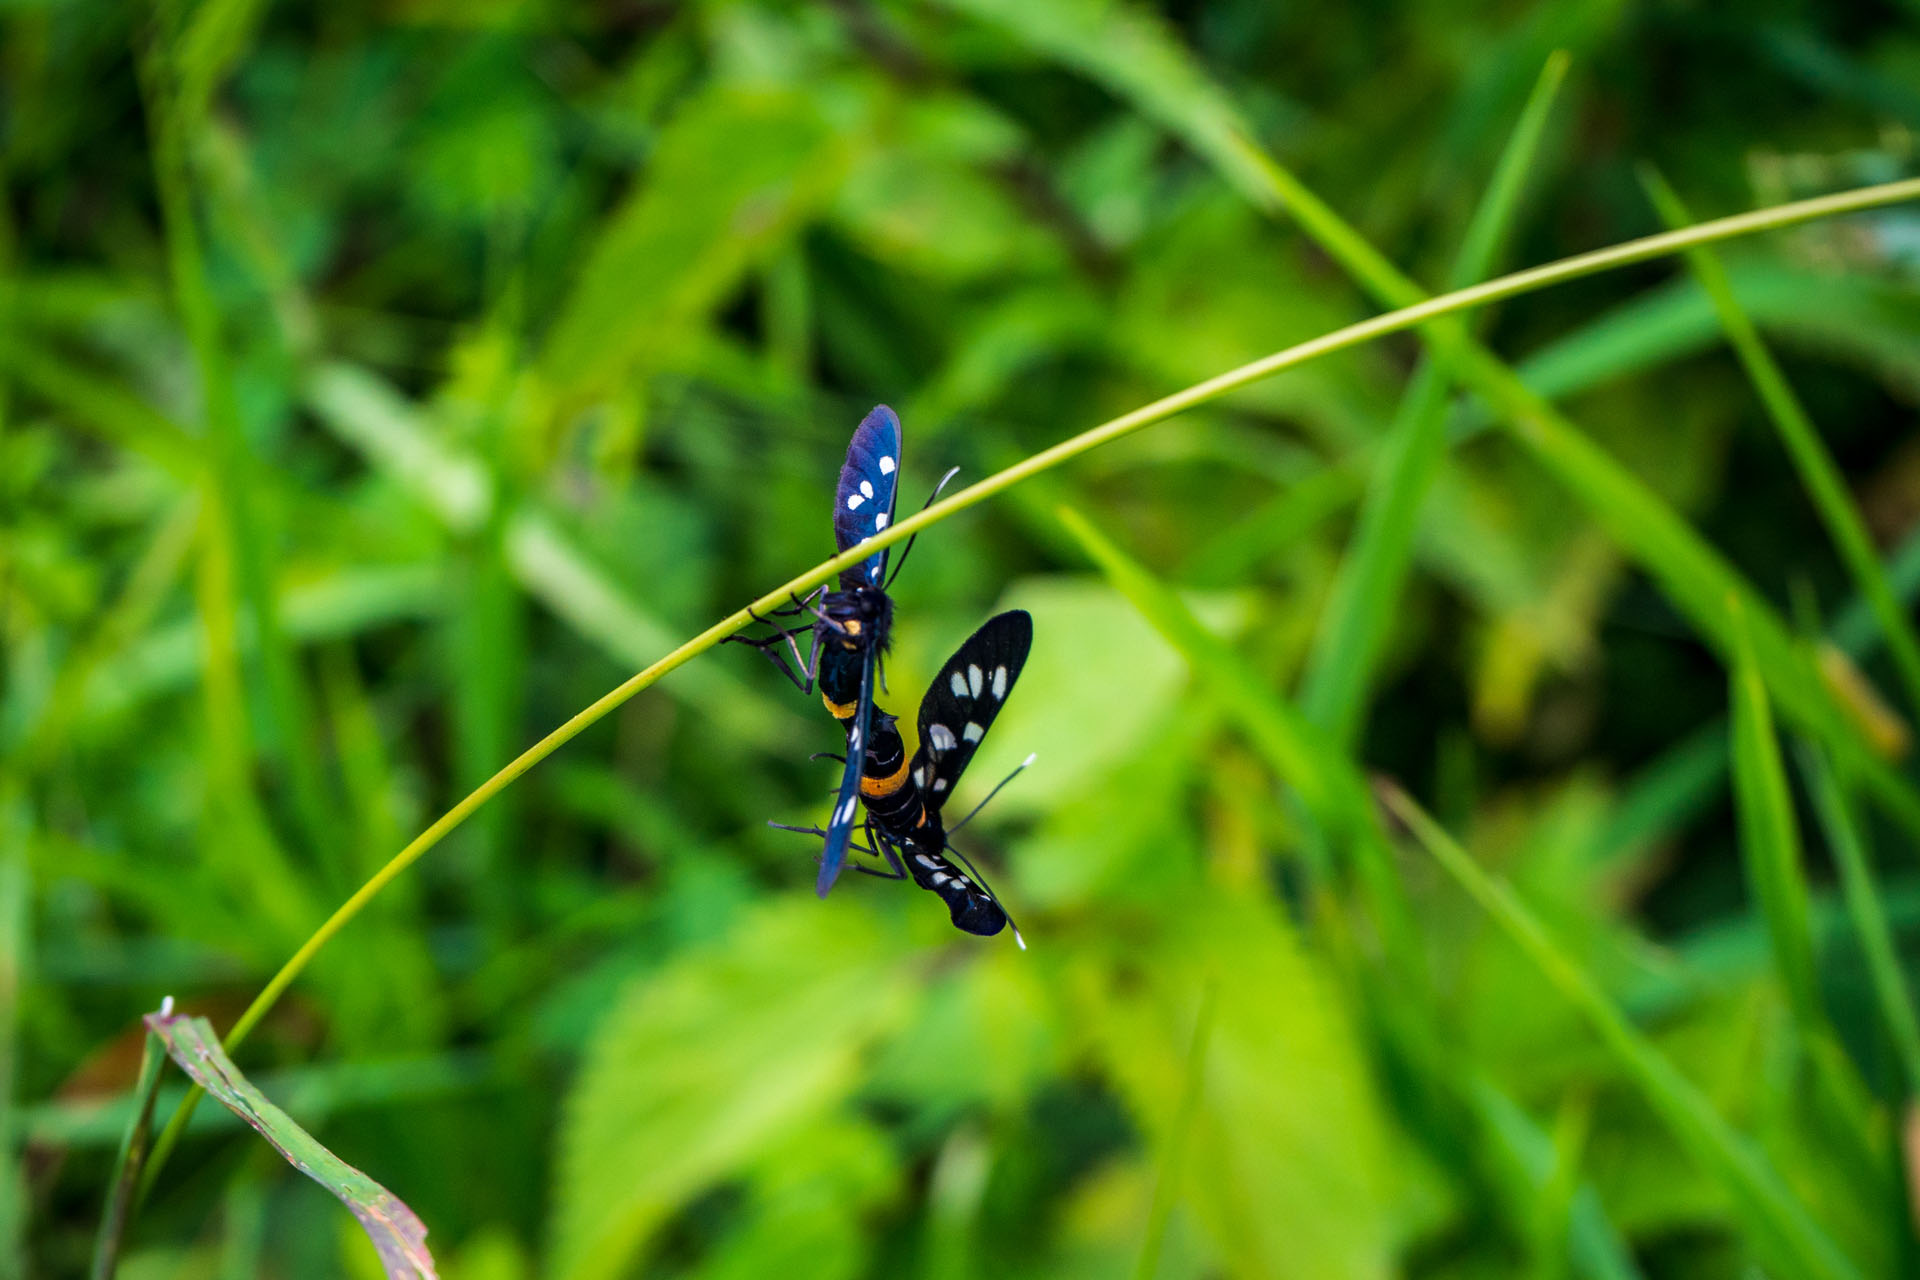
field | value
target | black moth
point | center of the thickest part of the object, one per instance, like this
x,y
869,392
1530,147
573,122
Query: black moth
x,y
852,624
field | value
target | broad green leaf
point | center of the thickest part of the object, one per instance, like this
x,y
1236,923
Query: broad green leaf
x,y
1330,786
1287,1164
398,1236
704,1068
1088,642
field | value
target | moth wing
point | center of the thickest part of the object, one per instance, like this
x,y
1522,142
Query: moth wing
x,y
965,698
863,501
846,804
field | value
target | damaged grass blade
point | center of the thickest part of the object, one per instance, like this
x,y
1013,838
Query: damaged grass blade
x,y
398,1236
133,1155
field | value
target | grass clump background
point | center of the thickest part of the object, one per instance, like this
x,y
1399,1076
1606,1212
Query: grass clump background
x,y
1472,828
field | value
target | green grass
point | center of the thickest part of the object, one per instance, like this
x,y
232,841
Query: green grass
x,y
378,394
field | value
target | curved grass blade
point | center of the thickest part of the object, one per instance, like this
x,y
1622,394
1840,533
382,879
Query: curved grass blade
x,y
1765,1205
1818,472
1366,592
1114,429
398,1235
1146,65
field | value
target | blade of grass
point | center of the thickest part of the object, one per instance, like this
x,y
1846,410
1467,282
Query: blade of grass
x,y
1166,1186
1330,787
1366,591
1769,837
133,1154
1263,535
1769,1210
1594,1245
396,1232
230,483
1771,850
1818,472
97,405
1709,591
15,881
1680,781
1117,428
1869,919
1144,64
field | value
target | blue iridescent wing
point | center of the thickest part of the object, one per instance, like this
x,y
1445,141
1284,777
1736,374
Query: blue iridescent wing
x,y
846,804
965,697
863,503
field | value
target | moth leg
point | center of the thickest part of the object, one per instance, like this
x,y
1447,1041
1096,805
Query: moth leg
x,y
769,646
883,848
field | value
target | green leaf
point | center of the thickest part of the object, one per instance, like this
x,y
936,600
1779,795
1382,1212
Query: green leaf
x,y
398,1236
1273,1124
703,1068
1329,785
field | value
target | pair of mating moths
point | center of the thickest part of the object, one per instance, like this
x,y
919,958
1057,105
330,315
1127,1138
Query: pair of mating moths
x,y
904,797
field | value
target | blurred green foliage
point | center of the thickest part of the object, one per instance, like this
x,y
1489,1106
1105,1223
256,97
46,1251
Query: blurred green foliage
x,y
380,384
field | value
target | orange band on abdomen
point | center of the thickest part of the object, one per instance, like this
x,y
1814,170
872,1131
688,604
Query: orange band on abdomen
x,y
886,786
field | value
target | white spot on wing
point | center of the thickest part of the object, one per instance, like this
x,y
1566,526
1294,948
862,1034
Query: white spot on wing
x,y
866,487
924,860
880,521
939,784
853,501
973,732
999,682
942,738
920,776
973,678
886,466
958,685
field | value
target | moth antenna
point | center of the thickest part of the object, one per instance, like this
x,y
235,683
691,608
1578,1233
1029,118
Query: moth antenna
x,y
1018,770
907,550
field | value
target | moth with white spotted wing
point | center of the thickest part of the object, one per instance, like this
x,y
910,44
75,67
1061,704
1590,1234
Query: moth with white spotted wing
x,y
852,625
863,501
905,798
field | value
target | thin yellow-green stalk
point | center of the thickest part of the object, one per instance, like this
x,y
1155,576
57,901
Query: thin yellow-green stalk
x,y
1566,269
